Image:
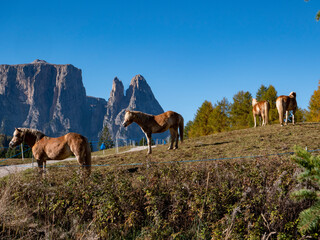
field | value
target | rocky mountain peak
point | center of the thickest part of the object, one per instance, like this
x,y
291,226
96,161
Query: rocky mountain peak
x,y
39,61
117,91
47,97
138,87
139,97
138,80
52,98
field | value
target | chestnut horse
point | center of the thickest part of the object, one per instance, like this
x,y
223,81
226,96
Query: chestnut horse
x,y
284,105
260,109
46,148
157,124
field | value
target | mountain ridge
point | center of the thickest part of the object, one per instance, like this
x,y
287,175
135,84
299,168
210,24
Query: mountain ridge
x,y
52,98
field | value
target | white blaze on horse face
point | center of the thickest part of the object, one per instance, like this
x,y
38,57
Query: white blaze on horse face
x,y
16,140
127,121
254,102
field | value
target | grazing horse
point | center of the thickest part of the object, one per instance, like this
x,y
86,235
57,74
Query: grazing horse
x,y
157,124
284,105
46,148
260,109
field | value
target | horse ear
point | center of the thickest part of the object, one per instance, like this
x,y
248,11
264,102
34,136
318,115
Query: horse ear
x,y
18,129
127,111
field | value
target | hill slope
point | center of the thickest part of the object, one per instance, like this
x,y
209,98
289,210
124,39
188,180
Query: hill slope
x,y
272,139
238,198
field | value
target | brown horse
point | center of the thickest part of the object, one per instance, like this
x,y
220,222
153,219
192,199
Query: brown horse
x,y
260,109
284,105
157,124
46,148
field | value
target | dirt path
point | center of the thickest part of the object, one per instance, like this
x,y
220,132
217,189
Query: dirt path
x,y
6,170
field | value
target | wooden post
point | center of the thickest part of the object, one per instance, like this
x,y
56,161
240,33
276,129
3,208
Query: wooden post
x,y
22,152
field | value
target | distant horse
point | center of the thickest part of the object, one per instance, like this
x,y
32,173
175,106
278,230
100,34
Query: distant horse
x,y
157,124
284,105
260,109
46,148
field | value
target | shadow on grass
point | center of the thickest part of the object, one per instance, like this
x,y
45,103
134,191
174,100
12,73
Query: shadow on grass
x,y
210,144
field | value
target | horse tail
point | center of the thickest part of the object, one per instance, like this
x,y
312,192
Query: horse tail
x,y
279,105
181,127
87,157
267,108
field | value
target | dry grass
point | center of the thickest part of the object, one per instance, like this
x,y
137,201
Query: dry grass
x,y
271,139
227,199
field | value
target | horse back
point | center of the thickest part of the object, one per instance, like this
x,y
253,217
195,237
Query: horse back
x,y
169,117
259,107
166,120
59,148
286,103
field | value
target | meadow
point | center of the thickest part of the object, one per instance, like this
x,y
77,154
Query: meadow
x,y
231,185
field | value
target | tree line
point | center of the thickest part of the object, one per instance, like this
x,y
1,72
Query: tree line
x,y
224,115
6,152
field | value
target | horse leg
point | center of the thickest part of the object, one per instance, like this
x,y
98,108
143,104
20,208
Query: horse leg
x,y
172,138
41,167
260,120
148,135
293,113
287,115
176,138
263,121
82,170
83,155
280,111
255,120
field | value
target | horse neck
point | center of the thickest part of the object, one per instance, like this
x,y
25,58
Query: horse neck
x,y
32,138
140,118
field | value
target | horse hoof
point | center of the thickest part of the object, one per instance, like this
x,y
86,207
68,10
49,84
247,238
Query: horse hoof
x,y
170,148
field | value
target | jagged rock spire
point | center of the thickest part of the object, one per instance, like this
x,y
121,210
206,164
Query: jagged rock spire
x,y
117,91
139,97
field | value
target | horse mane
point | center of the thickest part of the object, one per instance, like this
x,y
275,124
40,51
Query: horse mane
x,y
34,132
292,94
141,115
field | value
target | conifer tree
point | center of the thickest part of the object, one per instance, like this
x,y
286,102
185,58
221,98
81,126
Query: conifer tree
x,y
219,120
314,106
309,219
187,129
241,110
260,95
269,94
106,138
200,126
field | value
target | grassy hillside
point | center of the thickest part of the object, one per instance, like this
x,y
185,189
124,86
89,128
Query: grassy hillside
x,y
241,198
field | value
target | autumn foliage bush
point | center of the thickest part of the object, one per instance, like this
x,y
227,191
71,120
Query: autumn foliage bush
x,y
241,199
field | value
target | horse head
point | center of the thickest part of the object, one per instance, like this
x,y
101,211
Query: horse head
x,y
254,102
293,94
18,136
128,118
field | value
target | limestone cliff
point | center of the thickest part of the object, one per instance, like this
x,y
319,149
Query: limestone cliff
x,y
138,97
48,97
52,99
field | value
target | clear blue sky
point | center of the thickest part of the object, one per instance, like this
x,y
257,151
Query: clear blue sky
x,y
188,51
